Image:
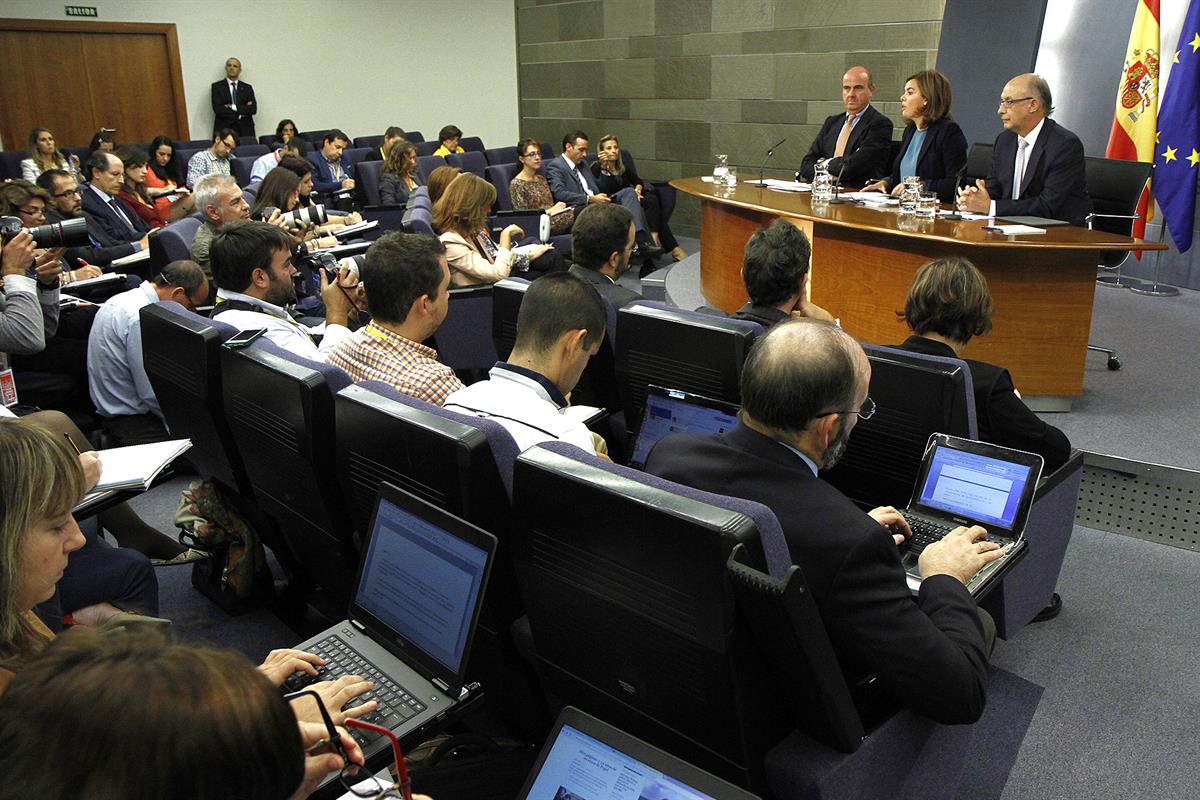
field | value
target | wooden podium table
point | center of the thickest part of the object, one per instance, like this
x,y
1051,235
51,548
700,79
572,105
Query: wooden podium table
x,y
864,259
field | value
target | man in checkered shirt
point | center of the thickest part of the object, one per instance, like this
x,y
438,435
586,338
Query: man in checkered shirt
x,y
407,283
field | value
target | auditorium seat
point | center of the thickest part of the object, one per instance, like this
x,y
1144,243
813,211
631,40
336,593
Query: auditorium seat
x,y
369,141
664,190
367,173
195,144
241,168
501,155
243,141
426,148
173,242
414,137
251,152
357,154
500,176
281,415
547,151
471,144
427,164
627,629
678,349
464,340
470,161
390,218
10,163
979,162
269,140
315,138
418,216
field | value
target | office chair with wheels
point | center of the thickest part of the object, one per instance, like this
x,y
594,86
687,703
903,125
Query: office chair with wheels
x,y
1115,187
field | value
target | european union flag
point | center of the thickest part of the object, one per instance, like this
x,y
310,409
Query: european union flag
x,y
1177,157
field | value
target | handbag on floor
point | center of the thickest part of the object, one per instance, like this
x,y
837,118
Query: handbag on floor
x,y
237,578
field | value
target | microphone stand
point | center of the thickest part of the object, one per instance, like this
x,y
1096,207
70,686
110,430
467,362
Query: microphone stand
x,y
770,152
957,183
837,187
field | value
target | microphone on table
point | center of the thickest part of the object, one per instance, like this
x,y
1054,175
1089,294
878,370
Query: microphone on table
x,y
957,183
837,187
770,152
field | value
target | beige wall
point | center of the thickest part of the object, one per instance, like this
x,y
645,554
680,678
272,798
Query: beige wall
x,y
679,80
387,62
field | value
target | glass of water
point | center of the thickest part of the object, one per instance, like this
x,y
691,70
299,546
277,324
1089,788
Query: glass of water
x,y
731,177
927,205
720,168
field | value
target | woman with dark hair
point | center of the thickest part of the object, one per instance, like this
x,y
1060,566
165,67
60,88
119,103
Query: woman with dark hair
x,y
105,140
133,193
157,718
948,304
44,155
399,175
474,258
933,147
165,181
530,191
281,189
285,130
613,174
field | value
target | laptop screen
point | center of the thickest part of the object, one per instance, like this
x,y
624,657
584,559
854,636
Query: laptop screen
x,y
422,581
981,487
671,411
580,767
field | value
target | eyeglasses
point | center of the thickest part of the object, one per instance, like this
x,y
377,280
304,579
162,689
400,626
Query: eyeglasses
x,y
355,779
536,155
865,412
30,212
68,193
1010,103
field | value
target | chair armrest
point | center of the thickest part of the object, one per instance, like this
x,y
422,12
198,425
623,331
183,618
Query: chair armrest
x,y
1049,482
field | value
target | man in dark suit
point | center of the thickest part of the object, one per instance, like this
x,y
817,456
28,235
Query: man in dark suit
x,y
332,170
577,187
1037,164
775,270
66,202
602,242
116,222
804,386
233,101
857,144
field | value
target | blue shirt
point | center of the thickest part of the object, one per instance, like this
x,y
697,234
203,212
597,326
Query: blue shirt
x,y
908,162
117,381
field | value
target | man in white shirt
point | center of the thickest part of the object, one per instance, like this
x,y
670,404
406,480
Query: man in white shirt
x,y
264,164
117,381
252,263
559,328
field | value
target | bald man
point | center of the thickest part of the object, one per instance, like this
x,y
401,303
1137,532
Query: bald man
x,y
804,387
1037,164
854,144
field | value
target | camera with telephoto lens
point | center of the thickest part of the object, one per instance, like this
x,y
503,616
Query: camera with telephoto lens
x,y
305,216
68,233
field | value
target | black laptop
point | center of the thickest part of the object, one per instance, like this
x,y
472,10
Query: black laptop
x,y
674,411
416,603
586,759
965,482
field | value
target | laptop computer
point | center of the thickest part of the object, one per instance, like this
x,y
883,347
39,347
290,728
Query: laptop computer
x,y
412,617
674,411
586,759
964,482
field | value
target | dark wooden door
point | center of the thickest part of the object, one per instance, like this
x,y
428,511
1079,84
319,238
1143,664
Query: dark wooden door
x,y
77,77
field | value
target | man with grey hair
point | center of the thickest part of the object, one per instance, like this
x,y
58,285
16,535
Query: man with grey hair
x,y
1037,164
804,386
117,380
856,143
220,200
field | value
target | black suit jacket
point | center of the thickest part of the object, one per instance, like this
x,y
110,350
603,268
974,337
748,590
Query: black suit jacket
x,y
241,120
614,293
1000,415
942,155
867,150
112,228
930,654
95,253
1054,183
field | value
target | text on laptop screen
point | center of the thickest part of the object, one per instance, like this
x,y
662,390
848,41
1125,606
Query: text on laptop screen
x,y
665,415
579,767
975,486
422,582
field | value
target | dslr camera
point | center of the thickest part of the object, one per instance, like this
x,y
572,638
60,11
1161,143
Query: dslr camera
x,y
68,233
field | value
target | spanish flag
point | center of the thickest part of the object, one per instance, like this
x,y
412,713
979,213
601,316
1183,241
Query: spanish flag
x,y
1135,123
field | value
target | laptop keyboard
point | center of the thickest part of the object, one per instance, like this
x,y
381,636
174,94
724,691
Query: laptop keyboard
x,y
924,532
395,704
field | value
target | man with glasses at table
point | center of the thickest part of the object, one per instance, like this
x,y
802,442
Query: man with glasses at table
x,y
117,221
1037,164
217,159
804,387
66,202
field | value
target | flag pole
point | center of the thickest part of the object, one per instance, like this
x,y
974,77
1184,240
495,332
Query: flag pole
x,y
1157,289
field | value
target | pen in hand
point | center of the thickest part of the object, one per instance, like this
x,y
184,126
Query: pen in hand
x,y
74,446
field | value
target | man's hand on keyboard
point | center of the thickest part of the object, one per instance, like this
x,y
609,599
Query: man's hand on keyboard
x,y
280,664
893,520
960,554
